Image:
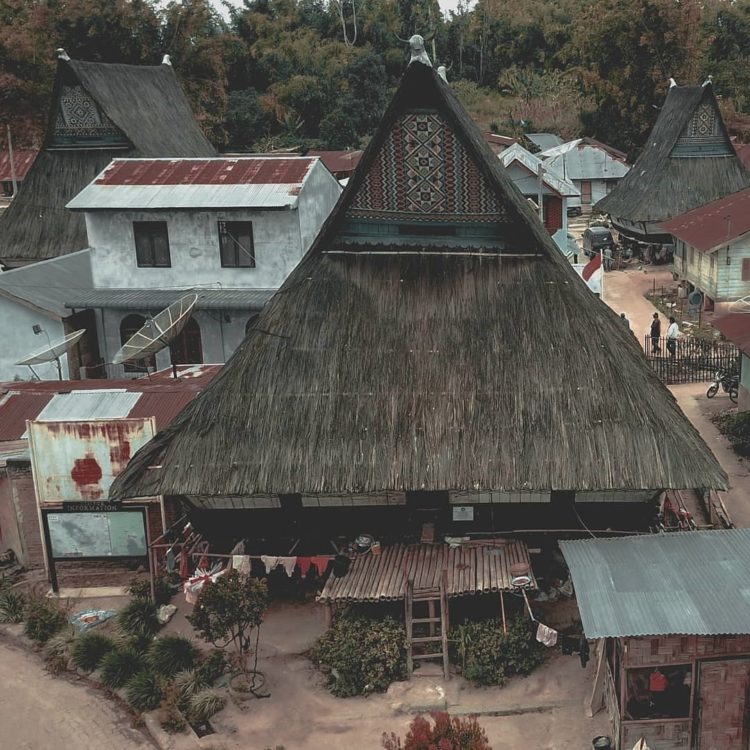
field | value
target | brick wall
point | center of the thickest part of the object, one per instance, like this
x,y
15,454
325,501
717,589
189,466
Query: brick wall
x,y
659,735
646,652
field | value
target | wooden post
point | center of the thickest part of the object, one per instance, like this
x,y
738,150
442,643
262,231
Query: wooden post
x,y
431,615
597,693
502,611
328,615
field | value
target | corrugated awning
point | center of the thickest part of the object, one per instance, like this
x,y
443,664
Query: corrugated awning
x,y
155,299
479,568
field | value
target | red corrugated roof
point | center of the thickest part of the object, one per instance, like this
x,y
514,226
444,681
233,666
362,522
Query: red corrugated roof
x,y
736,328
338,161
239,171
162,397
713,224
22,161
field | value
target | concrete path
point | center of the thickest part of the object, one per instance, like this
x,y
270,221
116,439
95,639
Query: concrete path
x,y
40,712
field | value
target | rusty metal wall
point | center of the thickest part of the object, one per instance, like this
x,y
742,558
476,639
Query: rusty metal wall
x,y
77,461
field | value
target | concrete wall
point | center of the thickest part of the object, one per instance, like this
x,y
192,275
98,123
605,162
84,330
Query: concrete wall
x,y
19,521
316,201
19,341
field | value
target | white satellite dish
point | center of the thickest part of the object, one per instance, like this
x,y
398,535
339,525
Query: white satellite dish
x,y
52,352
741,305
157,332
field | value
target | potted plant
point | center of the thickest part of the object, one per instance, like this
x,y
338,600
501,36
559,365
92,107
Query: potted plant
x,y
228,614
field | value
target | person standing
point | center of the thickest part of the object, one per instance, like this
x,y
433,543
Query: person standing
x,y
625,320
673,333
655,334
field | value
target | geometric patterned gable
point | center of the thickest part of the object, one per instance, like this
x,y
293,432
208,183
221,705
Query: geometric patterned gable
x,y
79,122
703,134
422,172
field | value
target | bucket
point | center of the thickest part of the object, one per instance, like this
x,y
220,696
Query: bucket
x,y
375,549
602,743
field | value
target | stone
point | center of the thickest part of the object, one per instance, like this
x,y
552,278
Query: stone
x,y
417,696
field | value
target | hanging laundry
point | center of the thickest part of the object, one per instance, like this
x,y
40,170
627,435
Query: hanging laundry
x,y
304,564
545,635
184,565
321,563
170,562
194,585
273,561
241,563
584,648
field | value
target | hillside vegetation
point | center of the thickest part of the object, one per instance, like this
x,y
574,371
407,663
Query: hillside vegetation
x,y
314,73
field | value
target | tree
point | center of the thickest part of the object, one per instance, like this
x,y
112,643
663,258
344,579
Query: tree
x,y
443,733
228,612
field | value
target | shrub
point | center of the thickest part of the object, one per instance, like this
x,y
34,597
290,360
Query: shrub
x,y
140,588
736,426
43,619
203,705
361,655
187,684
171,654
12,604
487,656
212,666
138,619
57,650
444,732
119,665
171,717
89,650
145,691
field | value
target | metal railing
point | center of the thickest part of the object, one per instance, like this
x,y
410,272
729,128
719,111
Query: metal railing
x,y
689,360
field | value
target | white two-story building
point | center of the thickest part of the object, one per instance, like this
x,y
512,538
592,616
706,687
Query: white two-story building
x,y
230,229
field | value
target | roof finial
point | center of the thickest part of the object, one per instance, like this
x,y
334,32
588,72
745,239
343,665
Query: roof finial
x,y
708,80
416,47
442,71
166,60
62,54
672,82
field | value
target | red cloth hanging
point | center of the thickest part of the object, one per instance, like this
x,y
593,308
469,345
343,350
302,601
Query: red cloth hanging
x,y
184,567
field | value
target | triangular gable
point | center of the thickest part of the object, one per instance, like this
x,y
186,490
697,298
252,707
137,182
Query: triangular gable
x,y
79,122
704,133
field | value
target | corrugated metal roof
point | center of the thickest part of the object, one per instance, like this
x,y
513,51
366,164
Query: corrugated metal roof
x,y
338,161
586,159
251,182
85,405
544,140
517,153
152,299
15,409
22,161
714,224
48,283
686,583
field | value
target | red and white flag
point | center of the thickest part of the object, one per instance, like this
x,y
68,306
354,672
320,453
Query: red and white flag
x,y
592,274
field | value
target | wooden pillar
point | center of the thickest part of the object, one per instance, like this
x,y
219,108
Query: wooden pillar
x,y
328,615
502,611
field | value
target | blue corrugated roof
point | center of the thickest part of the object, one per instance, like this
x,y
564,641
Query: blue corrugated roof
x,y
688,583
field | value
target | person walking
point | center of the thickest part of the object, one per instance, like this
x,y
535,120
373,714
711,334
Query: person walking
x,y
625,320
655,334
673,333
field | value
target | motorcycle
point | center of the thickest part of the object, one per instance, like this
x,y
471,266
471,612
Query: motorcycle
x,y
729,383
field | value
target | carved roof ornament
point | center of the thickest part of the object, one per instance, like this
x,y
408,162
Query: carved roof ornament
x,y
417,48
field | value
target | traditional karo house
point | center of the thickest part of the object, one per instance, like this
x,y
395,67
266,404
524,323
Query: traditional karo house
x,y
432,367
687,161
99,112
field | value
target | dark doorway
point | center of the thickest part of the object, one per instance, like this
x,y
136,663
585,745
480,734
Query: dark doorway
x,y
129,325
187,347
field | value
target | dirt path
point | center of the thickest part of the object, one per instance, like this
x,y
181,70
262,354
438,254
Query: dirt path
x,y
39,712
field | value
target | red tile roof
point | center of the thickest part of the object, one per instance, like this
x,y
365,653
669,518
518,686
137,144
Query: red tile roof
x,y
237,171
162,397
338,161
22,161
714,224
736,328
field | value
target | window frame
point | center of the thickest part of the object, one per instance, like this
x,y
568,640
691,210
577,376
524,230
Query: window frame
x,y
140,226
224,230
745,269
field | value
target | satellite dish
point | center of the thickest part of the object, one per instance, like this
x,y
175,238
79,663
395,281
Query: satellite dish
x,y
741,305
52,352
157,332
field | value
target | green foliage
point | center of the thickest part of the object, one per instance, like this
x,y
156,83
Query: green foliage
x,y
736,426
487,656
140,588
203,705
171,654
227,612
56,651
145,691
187,684
89,649
44,618
212,666
171,718
12,605
444,732
361,655
138,619
120,665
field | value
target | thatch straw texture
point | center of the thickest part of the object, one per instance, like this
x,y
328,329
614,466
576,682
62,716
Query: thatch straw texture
x,y
396,370
659,186
148,106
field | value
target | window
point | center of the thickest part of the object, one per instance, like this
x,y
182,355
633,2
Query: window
x,y
658,692
746,269
236,244
151,244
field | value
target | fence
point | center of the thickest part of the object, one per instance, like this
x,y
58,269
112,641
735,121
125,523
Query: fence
x,y
692,360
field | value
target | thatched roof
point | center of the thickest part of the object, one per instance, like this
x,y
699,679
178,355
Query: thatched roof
x,y
145,104
448,365
669,178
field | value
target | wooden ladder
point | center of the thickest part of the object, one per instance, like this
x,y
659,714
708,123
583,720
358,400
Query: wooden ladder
x,y
433,597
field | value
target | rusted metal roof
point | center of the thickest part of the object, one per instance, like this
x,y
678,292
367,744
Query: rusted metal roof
x,y
151,299
241,182
736,328
714,224
682,583
478,568
338,162
22,161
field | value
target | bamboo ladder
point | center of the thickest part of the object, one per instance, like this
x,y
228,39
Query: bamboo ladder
x,y
432,597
